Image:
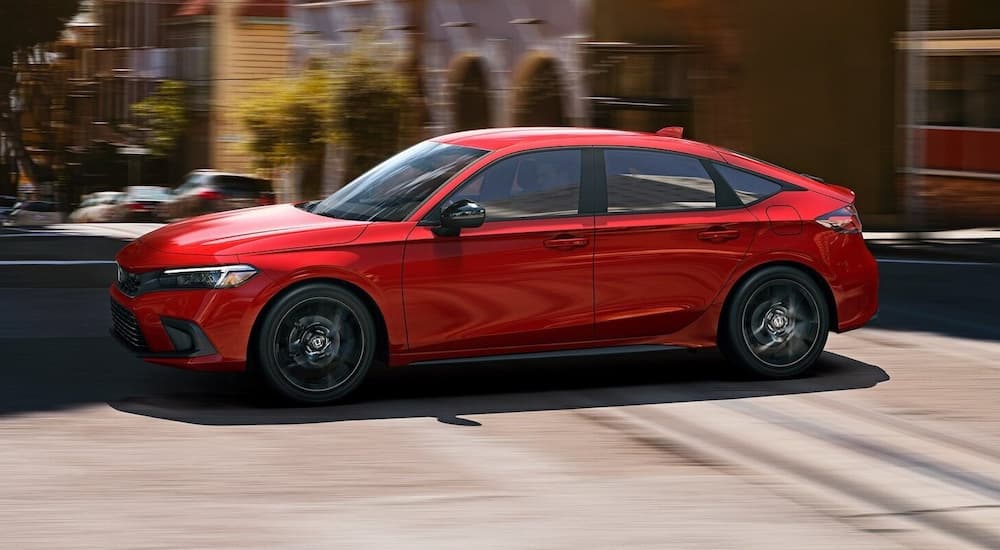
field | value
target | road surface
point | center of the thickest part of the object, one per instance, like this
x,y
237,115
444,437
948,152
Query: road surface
x,y
895,443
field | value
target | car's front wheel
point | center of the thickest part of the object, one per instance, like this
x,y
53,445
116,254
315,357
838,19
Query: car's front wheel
x,y
776,323
315,344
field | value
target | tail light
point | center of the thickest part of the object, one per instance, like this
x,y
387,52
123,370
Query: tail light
x,y
265,200
135,207
209,195
842,220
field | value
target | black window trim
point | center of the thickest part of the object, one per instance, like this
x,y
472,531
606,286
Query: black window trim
x,y
706,163
593,199
432,218
709,165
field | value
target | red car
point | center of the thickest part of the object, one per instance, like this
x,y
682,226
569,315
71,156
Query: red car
x,y
507,243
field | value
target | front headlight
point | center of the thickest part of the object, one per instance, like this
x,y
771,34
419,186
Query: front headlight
x,y
223,276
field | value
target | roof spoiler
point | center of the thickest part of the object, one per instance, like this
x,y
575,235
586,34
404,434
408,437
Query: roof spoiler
x,y
671,132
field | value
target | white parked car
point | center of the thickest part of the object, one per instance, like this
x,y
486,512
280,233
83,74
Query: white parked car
x,y
98,207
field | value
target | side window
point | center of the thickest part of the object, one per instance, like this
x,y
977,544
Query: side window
x,y
529,185
748,187
237,184
653,181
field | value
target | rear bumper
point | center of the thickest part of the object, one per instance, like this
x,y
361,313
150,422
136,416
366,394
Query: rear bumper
x,y
855,286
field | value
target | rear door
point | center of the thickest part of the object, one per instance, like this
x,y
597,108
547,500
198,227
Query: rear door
x,y
524,278
669,240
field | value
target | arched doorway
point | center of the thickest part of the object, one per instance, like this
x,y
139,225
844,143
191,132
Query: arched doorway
x,y
539,94
468,90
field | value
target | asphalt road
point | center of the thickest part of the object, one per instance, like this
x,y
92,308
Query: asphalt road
x,y
895,443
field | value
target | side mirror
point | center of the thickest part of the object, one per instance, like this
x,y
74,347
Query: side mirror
x,y
460,215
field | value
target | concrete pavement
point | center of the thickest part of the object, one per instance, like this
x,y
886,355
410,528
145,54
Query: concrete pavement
x,y
895,443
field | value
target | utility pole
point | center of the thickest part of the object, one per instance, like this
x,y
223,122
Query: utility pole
x,y
916,111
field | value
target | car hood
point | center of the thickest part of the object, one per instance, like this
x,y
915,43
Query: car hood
x,y
253,230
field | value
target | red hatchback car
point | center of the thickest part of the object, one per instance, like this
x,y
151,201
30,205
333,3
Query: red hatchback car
x,y
507,243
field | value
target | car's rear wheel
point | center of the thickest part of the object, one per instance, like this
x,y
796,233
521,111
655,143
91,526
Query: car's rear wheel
x,y
776,323
315,344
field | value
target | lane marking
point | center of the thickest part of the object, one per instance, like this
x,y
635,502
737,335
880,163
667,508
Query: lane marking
x,y
56,262
36,234
929,262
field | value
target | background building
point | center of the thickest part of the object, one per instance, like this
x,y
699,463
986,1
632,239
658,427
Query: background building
x,y
896,99
116,53
221,50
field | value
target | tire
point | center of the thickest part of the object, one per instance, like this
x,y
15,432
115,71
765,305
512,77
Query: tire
x,y
315,344
776,324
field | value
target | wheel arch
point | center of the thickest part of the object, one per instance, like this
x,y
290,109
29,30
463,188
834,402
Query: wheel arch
x,y
381,329
806,269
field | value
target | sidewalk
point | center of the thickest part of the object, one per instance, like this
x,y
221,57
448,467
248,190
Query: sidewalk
x,y
973,245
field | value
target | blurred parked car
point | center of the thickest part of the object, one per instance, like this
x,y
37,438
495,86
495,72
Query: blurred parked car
x,y
141,203
97,207
205,191
34,213
7,203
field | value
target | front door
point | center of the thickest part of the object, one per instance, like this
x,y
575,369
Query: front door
x,y
525,278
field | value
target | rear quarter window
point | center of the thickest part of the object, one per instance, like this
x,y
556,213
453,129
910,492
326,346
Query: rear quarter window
x,y
748,187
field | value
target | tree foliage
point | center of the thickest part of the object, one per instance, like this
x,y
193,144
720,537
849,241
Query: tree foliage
x,y
288,119
23,25
358,103
165,116
372,103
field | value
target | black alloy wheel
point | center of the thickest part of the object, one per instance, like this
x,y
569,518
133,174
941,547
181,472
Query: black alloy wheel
x,y
315,344
776,324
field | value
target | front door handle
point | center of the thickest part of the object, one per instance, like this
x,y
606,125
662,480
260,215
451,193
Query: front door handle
x,y
566,242
718,235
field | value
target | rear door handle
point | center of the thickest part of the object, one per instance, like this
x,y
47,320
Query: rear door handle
x,y
565,242
718,235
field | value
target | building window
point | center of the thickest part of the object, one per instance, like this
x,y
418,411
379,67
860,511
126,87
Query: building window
x,y
963,91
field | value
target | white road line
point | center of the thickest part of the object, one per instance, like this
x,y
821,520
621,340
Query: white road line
x,y
930,262
55,262
36,234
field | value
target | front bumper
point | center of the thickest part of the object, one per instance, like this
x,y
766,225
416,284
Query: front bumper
x,y
200,329
186,337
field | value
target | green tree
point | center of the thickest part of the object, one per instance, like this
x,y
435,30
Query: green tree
x,y
359,104
23,25
288,120
374,112
165,115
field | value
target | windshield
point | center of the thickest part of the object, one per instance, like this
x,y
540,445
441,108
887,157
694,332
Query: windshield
x,y
395,188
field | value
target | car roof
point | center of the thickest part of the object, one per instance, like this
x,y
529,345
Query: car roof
x,y
495,139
